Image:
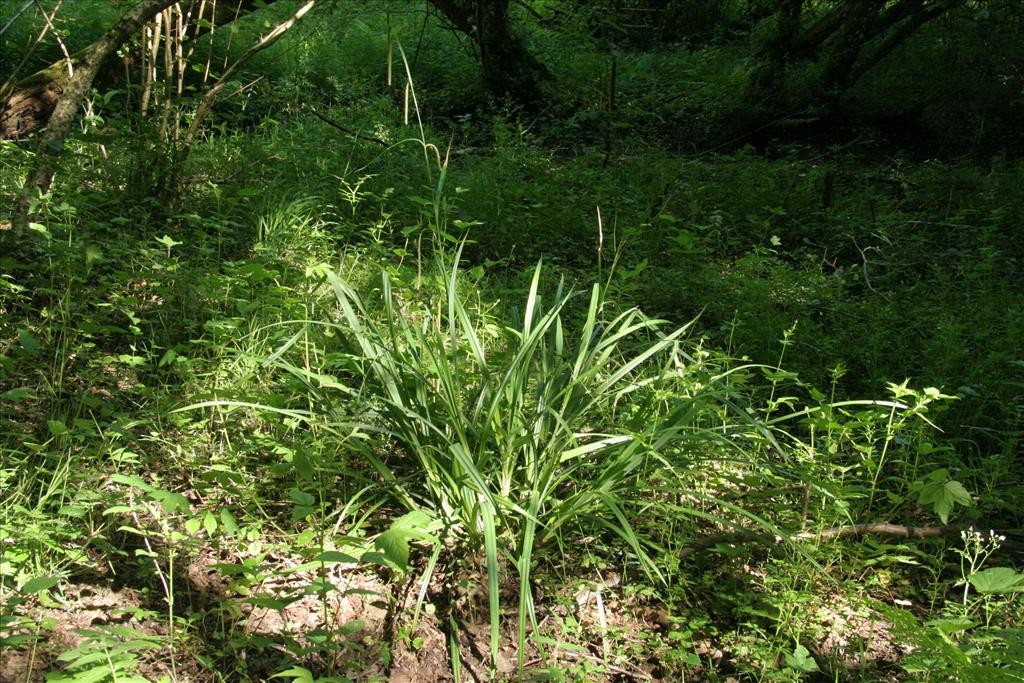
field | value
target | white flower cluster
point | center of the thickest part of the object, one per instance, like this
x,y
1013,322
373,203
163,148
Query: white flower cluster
x,y
977,537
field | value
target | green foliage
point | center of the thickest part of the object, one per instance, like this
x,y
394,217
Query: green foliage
x,y
107,654
997,580
941,493
494,459
323,384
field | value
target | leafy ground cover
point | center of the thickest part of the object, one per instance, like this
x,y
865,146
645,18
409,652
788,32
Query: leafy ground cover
x,y
507,408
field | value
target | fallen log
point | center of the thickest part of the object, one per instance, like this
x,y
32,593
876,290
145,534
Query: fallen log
x,y
878,529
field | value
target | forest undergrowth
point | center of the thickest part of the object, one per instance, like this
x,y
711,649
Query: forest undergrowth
x,y
501,400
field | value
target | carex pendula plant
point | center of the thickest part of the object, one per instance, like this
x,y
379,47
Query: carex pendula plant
x,y
509,441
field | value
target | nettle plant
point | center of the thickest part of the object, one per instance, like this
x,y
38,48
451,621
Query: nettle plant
x,y
876,458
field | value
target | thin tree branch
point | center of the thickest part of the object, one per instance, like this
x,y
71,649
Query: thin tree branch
x,y
8,87
56,35
210,98
344,129
897,38
52,140
822,30
21,10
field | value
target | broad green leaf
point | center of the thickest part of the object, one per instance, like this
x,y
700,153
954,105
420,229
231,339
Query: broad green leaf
x,y
801,660
210,523
130,480
18,394
305,504
40,228
22,640
228,521
171,502
416,519
98,673
952,624
93,254
334,557
167,241
37,584
300,497
319,587
374,557
298,674
57,427
417,524
302,464
942,494
997,580
957,492
394,544
350,627
276,604
948,495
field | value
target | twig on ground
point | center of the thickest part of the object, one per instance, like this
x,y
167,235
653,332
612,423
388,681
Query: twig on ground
x,y
882,529
344,129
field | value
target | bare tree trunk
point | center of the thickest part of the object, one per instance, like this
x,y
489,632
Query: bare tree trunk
x,y
915,21
32,100
775,53
840,40
78,86
509,70
29,103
